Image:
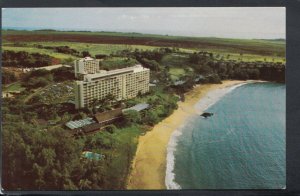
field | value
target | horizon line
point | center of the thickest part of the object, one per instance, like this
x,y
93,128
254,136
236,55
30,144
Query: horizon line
x,y
116,31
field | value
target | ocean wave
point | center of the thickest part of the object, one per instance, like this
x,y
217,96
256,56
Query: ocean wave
x,y
210,99
213,97
170,174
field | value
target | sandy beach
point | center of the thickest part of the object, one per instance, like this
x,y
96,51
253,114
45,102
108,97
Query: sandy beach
x,y
149,164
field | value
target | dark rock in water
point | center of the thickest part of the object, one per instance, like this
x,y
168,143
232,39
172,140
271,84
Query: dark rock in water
x,y
206,114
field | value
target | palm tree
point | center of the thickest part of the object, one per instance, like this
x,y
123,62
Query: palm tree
x,y
110,98
84,184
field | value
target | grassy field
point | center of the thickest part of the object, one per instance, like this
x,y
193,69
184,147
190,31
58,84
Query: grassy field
x,y
175,60
176,73
112,42
117,62
38,50
245,46
93,49
247,57
255,42
13,87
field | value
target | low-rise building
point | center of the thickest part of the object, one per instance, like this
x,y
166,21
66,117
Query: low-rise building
x,y
95,123
108,117
138,107
80,123
83,126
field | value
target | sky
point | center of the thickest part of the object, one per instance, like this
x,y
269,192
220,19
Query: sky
x,y
230,22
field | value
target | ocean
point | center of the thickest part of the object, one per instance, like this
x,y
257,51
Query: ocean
x,y
242,146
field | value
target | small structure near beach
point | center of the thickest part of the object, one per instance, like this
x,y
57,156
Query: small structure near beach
x,y
95,123
83,126
107,117
138,107
79,123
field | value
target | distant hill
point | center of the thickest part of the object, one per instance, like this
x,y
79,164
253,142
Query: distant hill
x,y
279,39
45,30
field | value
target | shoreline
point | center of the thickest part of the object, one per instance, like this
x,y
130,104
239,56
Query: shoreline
x,y
150,162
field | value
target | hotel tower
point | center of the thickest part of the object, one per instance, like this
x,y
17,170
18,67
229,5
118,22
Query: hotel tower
x,y
123,83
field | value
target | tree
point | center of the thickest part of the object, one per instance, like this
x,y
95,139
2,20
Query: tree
x,y
254,74
151,118
36,99
100,56
67,61
24,59
215,79
36,83
8,77
110,128
204,69
241,74
151,64
48,157
80,115
30,116
132,117
63,74
84,184
85,54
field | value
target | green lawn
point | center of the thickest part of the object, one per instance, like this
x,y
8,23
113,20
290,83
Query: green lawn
x,y
13,87
229,45
117,63
176,73
175,60
255,42
246,57
108,49
93,49
251,49
37,50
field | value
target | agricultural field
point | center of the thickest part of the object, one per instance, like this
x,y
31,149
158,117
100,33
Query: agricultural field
x,y
93,49
37,50
112,43
246,57
267,48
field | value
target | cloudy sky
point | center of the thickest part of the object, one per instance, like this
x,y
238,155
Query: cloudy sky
x,y
263,23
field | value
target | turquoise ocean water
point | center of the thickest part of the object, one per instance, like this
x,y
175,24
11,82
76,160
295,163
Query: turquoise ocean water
x,y
241,147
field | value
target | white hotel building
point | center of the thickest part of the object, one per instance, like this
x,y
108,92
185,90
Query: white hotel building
x,y
123,83
86,65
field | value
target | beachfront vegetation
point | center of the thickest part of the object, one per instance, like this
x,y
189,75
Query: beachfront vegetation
x,y
40,153
46,158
